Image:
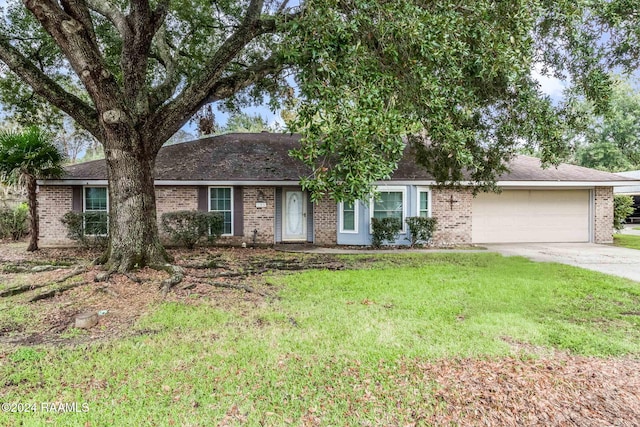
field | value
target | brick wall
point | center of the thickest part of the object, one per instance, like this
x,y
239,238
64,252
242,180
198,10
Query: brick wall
x,y
603,215
453,225
171,199
325,222
261,219
53,203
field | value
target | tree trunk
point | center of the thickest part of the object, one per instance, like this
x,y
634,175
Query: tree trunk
x,y
133,228
33,213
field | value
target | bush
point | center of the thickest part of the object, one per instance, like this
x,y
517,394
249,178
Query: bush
x,y
88,228
421,229
13,222
186,228
384,230
622,208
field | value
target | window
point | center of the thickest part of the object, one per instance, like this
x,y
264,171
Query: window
x,y
221,200
96,210
424,202
349,217
390,203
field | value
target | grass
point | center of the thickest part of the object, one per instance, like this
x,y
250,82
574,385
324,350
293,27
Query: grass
x,y
636,228
340,348
627,241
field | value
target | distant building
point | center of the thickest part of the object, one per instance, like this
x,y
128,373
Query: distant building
x,y
633,191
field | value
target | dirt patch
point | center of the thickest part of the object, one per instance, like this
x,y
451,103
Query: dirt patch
x,y
227,278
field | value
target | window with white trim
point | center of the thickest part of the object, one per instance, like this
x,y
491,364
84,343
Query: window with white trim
x,y
349,217
221,200
96,211
424,202
391,202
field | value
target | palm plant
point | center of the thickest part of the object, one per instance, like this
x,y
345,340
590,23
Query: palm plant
x,y
25,157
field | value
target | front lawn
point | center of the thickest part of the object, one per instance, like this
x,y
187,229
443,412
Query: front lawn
x,y
627,241
400,340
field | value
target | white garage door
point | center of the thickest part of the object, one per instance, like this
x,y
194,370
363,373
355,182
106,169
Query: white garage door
x,y
531,216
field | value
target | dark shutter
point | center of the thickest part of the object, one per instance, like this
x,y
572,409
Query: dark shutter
x,y
238,212
310,234
203,198
77,204
278,214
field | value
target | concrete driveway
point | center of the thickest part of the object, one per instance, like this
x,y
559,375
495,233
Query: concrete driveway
x,y
607,259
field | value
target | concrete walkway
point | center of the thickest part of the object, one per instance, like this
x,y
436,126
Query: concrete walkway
x,y
621,262
311,249
629,229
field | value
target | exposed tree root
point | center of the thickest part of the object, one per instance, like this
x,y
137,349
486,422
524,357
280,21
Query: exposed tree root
x,y
16,268
296,265
104,276
227,274
133,277
225,285
108,291
177,274
57,291
26,288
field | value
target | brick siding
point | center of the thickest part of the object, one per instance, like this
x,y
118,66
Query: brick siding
x,y
53,203
453,219
171,199
325,222
603,215
453,226
260,219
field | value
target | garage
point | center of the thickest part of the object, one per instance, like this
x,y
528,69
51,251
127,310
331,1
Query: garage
x,y
532,216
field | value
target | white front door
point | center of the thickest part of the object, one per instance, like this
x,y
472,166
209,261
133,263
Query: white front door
x,y
294,215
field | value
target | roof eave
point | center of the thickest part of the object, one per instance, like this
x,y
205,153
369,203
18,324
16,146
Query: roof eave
x,y
506,184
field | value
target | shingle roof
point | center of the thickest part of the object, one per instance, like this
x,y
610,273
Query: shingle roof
x,y
264,157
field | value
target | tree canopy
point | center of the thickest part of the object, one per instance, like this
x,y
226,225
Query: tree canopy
x,y
612,142
450,79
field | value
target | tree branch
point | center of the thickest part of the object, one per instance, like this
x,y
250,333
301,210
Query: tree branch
x,y
47,88
170,117
164,90
79,11
82,52
282,6
228,86
111,12
222,89
143,24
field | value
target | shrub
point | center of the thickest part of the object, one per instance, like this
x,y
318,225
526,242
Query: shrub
x,y
622,208
88,228
421,229
384,230
186,228
13,222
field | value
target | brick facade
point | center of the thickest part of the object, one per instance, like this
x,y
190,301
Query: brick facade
x,y
53,203
603,215
261,219
325,223
171,199
452,210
